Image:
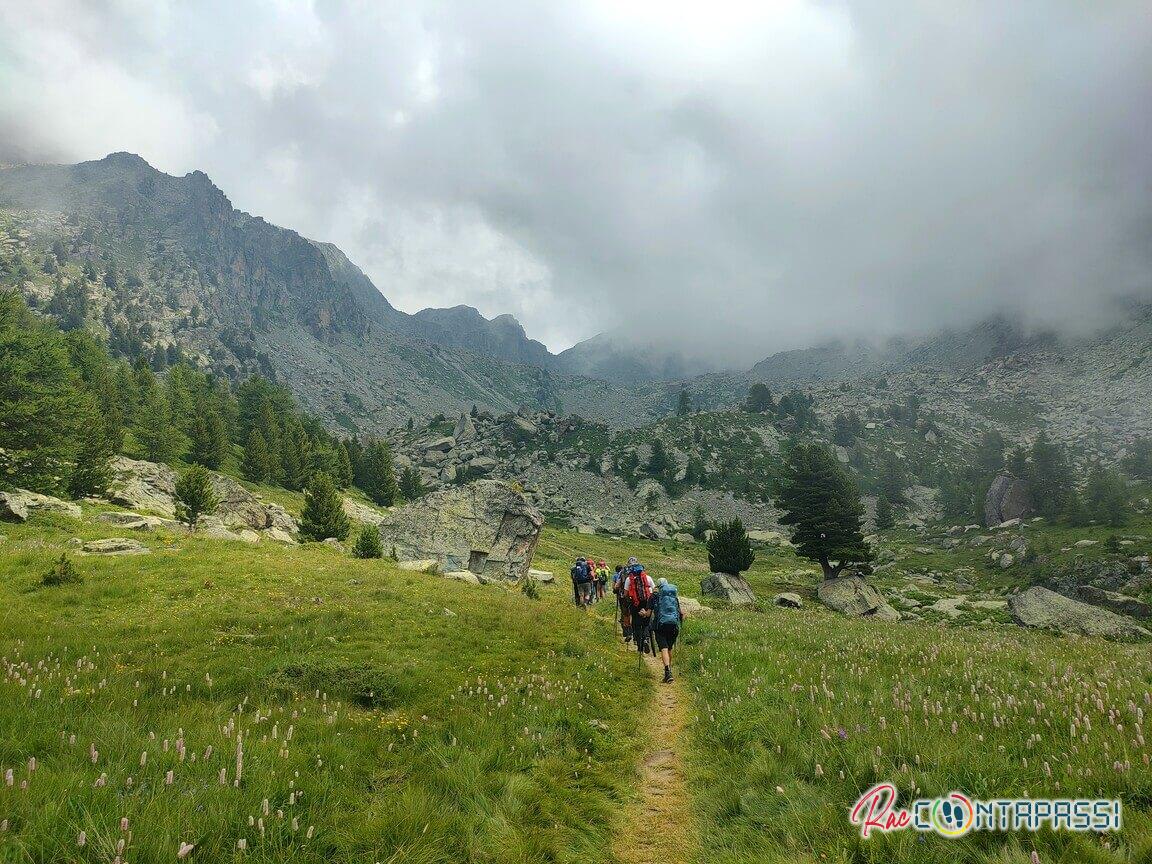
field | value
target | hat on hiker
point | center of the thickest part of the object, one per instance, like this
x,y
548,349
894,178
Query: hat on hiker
x,y
661,582
633,560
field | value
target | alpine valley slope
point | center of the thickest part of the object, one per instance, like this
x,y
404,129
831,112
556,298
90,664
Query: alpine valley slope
x,y
167,267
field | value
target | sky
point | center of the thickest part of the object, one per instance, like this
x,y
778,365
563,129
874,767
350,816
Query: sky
x,y
729,177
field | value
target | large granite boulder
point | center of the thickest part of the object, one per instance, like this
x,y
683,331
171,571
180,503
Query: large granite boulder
x,y
855,597
485,527
727,588
115,546
1007,498
1039,607
141,485
19,504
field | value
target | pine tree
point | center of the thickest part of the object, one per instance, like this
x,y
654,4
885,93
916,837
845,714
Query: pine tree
x,y
1106,498
380,474
154,428
39,430
368,543
1049,476
893,480
195,496
92,471
209,444
759,399
323,515
700,523
821,502
684,404
990,453
884,516
343,476
411,486
659,462
257,463
729,550
293,457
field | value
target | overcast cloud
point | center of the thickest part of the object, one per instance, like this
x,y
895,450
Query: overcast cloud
x,y
740,177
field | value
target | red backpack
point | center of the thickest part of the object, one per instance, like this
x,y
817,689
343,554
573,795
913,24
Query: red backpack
x,y
638,590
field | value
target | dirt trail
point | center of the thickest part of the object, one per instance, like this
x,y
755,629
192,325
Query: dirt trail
x,y
658,826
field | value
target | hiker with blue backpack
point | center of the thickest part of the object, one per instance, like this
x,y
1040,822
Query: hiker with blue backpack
x,y
581,582
666,620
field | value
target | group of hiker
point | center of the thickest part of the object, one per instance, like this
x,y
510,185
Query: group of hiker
x,y
648,611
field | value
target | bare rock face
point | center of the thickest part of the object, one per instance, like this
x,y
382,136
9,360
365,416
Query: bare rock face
x,y
487,528
19,504
1008,498
733,590
1039,607
855,597
1121,604
115,546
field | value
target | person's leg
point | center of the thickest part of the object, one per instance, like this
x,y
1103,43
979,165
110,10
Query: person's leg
x,y
666,656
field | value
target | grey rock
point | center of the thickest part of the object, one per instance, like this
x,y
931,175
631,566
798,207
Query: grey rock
x,y
134,521
1007,498
18,504
465,429
544,577
463,576
361,513
1040,607
486,527
855,597
691,606
653,531
788,599
334,543
730,589
115,546
420,565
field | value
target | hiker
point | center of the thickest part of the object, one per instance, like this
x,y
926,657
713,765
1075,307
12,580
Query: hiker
x,y
601,579
580,581
666,620
622,602
590,585
638,588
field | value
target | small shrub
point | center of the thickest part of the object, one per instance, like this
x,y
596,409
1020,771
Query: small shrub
x,y
62,572
530,588
729,550
368,543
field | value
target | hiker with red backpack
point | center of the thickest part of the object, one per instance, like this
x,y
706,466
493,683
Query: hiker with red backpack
x,y
623,610
638,591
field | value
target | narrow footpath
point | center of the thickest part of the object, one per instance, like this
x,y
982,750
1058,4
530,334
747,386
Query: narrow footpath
x,y
658,825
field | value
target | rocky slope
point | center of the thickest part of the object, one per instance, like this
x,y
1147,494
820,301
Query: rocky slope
x,y
167,268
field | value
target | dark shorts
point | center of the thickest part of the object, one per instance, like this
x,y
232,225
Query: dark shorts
x,y
666,635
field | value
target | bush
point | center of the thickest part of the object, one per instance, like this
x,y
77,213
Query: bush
x,y
62,572
368,543
530,588
729,550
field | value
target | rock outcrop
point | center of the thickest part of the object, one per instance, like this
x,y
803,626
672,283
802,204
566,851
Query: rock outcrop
x,y
1007,498
727,588
486,527
1121,604
19,504
855,597
115,546
1039,607
788,599
142,485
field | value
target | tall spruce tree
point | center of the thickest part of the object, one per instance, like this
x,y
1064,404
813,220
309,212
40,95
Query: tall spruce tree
x,y
822,504
411,486
885,518
759,399
323,515
684,404
1049,476
257,463
1106,498
209,438
379,482
154,427
343,475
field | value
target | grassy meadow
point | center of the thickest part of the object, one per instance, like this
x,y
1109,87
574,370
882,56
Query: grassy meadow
x,y
300,704
269,703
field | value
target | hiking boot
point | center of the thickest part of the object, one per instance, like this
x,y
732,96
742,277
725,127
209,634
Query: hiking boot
x,y
667,676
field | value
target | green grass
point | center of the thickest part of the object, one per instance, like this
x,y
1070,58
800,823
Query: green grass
x,y
406,718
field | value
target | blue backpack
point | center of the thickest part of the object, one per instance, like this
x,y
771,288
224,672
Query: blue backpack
x,y
667,606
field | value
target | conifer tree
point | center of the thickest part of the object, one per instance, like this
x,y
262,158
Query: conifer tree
x,y
893,480
368,543
195,496
700,523
820,500
1106,498
729,550
209,439
1049,476
380,474
884,516
92,471
759,399
323,515
684,404
154,427
257,463
343,476
659,462
411,486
